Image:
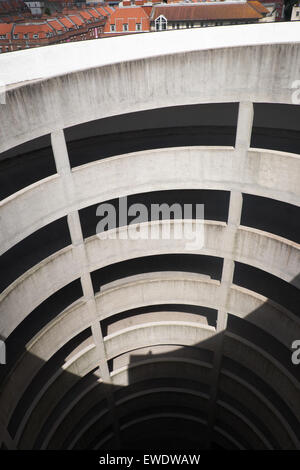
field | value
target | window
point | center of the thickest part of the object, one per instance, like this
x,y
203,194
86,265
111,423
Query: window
x,y
113,27
0,49
138,27
2,36
177,26
125,27
35,36
26,36
160,23
16,36
297,13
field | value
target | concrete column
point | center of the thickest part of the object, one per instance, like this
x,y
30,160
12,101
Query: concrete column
x,y
60,152
64,169
242,144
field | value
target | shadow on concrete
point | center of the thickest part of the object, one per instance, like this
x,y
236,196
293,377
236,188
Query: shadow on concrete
x,y
164,399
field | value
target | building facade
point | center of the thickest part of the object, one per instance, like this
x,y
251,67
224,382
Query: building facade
x,y
128,19
296,12
75,25
179,16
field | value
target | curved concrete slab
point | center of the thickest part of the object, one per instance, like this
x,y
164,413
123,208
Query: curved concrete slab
x,y
116,67
267,173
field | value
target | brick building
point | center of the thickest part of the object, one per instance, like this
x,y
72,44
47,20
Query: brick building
x,y
128,19
178,16
67,22
295,16
75,25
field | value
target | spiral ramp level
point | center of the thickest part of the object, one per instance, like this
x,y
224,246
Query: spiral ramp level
x,y
114,342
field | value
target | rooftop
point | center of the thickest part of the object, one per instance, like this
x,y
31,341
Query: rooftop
x,y
206,11
258,6
5,28
32,28
128,13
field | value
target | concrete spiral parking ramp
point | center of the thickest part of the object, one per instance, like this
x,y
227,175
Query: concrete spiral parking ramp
x,y
131,343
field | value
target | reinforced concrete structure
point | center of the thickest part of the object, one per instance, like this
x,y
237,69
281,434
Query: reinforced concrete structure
x,y
121,343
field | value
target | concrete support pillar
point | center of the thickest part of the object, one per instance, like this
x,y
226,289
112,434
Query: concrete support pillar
x,y
64,169
243,138
244,126
60,152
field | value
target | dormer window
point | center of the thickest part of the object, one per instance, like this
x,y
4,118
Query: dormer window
x,y
161,23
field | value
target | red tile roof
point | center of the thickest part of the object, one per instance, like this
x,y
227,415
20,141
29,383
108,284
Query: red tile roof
x,y
76,19
6,19
48,26
30,29
5,28
130,16
102,11
12,5
147,9
66,22
206,11
109,9
94,13
128,13
85,14
259,7
56,25
67,11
